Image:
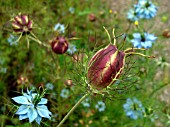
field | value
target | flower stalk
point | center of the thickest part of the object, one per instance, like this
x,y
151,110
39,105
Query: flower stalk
x,y
73,108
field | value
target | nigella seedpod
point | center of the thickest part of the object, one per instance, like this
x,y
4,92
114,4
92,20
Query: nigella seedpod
x,y
92,17
69,83
166,33
59,45
22,24
105,67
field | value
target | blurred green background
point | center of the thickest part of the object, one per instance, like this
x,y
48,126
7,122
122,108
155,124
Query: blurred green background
x,y
84,20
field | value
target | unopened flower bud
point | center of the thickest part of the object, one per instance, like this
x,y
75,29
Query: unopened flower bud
x,y
105,67
59,45
22,24
166,33
22,80
69,83
92,17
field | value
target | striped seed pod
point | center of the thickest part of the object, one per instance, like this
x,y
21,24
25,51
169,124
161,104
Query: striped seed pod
x,y
105,67
22,24
59,45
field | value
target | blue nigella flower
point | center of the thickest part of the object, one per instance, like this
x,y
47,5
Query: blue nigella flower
x,y
145,9
64,93
32,107
49,86
71,10
12,40
153,117
143,40
150,113
86,102
133,108
71,49
162,62
3,70
100,106
132,15
59,27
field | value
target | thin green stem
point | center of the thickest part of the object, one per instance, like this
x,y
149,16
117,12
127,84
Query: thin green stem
x,y
73,108
113,32
144,122
34,39
18,38
157,89
28,42
38,41
107,34
140,54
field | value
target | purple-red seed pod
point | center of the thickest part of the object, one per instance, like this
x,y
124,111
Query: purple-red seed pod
x,y
59,45
166,33
22,24
92,17
105,67
69,83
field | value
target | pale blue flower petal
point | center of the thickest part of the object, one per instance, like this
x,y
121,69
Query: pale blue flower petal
x,y
32,114
29,97
43,111
29,92
137,35
34,95
149,44
56,27
71,49
100,106
132,15
64,93
133,108
29,109
129,113
145,9
59,27
43,101
38,119
23,109
150,37
49,86
23,116
134,116
86,103
125,106
12,40
144,40
21,100
71,10
135,100
62,28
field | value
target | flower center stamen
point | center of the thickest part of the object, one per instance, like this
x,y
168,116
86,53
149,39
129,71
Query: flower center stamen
x,y
135,106
147,5
143,38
